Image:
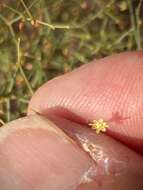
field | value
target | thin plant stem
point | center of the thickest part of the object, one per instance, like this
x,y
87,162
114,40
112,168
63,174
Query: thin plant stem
x,y
20,68
8,109
123,36
138,32
2,122
26,9
53,26
9,27
135,23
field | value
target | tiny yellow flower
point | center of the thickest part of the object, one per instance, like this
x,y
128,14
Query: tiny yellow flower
x,y
99,125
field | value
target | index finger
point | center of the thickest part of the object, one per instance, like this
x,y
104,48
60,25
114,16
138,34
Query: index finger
x,y
109,88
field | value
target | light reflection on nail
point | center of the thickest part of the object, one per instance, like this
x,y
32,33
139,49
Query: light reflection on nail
x,y
89,175
106,165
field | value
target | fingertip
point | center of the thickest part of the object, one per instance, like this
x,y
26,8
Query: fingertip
x,y
101,89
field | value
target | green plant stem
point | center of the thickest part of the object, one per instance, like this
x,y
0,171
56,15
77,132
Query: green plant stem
x,y
138,32
20,67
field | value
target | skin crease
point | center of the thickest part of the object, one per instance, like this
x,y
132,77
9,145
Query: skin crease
x,y
63,154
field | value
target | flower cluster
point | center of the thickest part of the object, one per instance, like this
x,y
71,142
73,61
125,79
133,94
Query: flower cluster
x,y
99,125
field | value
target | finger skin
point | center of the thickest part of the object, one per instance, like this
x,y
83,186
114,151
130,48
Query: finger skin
x,y
35,154
38,154
109,88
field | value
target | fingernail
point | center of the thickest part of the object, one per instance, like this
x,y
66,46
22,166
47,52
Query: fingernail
x,y
36,154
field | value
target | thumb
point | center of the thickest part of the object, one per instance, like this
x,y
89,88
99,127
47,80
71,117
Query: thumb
x,y
36,154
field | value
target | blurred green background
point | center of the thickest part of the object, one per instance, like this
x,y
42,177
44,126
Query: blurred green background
x,y
41,39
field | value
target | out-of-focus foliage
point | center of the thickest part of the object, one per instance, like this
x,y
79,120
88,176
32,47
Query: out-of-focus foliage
x,y
57,36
